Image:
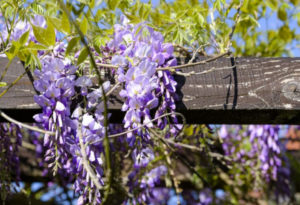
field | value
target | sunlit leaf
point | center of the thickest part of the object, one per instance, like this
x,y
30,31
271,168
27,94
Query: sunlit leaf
x,y
71,45
82,56
45,36
84,25
24,38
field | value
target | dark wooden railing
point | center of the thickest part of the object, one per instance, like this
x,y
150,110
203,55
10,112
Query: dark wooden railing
x,y
241,90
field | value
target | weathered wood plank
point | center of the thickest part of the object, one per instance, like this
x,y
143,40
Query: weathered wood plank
x,y
18,101
241,90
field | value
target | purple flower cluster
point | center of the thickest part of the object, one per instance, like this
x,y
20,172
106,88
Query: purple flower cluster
x,y
139,51
153,177
205,197
260,146
162,196
92,129
264,138
55,82
9,156
273,162
147,183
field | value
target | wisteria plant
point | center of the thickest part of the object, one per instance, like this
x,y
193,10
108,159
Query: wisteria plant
x,y
82,54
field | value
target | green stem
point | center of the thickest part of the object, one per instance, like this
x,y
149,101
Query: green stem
x,y
11,27
13,83
5,70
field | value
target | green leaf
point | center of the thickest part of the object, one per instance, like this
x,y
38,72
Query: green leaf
x,y
71,45
194,2
133,19
217,5
35,46
62,24
200,19
84,25
295,2
146,11
82,56
45,36
36,62
37,8
112,4
24,38
66,27
282,15
188,130
13,51
298,19
28,60
273,4
3,84
285,33
101,40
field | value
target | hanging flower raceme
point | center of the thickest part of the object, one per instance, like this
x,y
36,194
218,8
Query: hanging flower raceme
x,y
139,52
92,129
55,82
10,141
260,146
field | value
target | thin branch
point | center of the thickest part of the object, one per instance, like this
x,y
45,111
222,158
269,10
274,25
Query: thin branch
x,y
192,147
9,30
107,65
13,83
173,68
184,74
238,11
85,161
214,69
10,119
5,69
141,126
182,159
113,88
197,149
195,53
104,65
182,48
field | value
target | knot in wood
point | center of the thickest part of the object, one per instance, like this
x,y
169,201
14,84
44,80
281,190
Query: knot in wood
x,y
291,90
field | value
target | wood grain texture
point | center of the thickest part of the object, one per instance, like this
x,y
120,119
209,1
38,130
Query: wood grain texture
x,y
18,101
241,90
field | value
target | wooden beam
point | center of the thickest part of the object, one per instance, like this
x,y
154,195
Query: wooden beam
x,y
241,91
